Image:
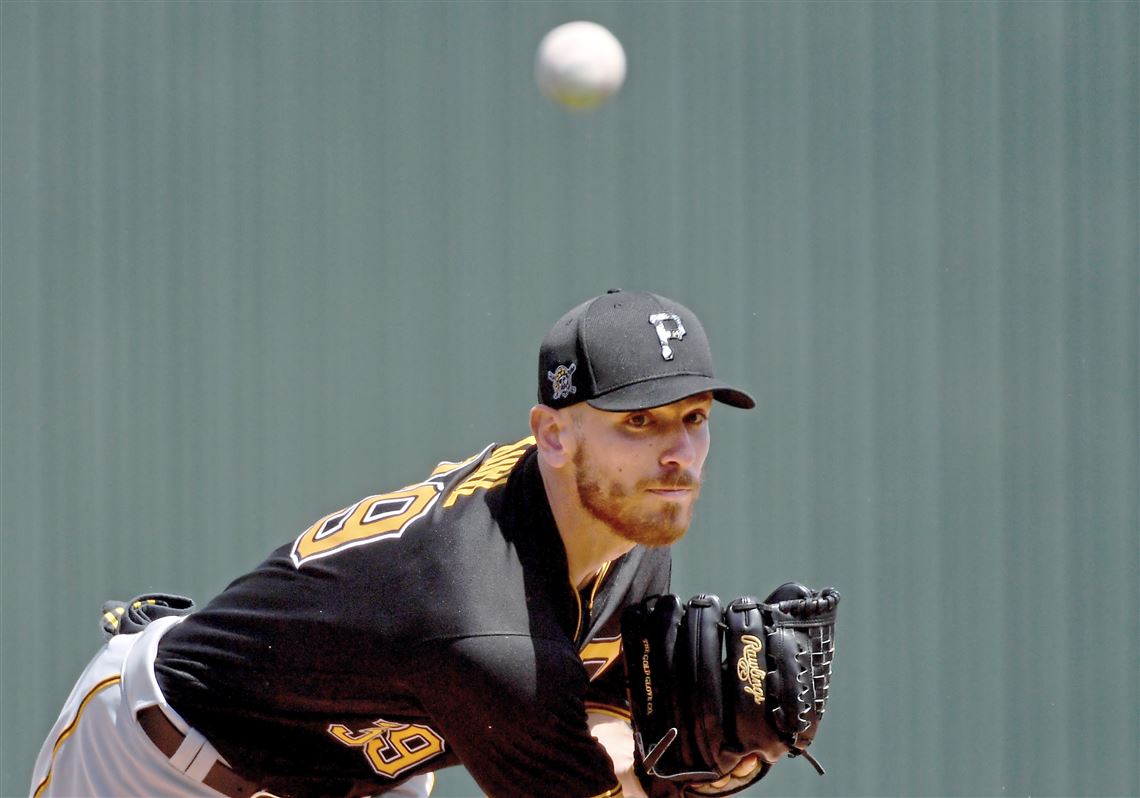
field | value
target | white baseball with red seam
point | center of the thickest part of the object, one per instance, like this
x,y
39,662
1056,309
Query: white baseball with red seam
x,y
579,65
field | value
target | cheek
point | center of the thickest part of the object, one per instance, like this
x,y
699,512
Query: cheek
x,y
702,449
628,463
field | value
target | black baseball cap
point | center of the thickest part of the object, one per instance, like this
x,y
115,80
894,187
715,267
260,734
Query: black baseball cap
x,y
628,350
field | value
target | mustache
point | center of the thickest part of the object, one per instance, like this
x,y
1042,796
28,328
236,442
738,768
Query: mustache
x,y
674,479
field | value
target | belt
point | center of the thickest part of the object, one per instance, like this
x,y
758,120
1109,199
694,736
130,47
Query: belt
x,y
168,739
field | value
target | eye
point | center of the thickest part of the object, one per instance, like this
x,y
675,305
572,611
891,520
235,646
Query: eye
x,y
696,418
638,420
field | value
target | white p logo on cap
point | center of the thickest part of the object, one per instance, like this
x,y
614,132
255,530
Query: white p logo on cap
x,y
665,335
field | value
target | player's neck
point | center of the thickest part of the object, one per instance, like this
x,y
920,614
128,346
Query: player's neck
x,y
589,543
589,547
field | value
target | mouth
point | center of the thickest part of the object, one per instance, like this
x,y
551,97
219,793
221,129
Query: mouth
x,y
671,493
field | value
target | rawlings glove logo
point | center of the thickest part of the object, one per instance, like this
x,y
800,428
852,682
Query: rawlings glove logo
x,y
748,668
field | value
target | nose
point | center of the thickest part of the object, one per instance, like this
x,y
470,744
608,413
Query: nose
x,y
680,450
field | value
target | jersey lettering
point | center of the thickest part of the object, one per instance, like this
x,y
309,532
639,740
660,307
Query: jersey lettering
x,y
491,473
392,748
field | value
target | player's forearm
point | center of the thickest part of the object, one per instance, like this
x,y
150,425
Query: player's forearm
x,y
616,737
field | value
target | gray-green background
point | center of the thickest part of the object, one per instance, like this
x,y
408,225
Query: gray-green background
x,y
260,259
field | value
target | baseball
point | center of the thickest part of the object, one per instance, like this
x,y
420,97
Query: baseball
x,y
579,65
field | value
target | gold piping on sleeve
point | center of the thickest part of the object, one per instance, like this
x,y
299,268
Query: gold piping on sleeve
x,y
67,732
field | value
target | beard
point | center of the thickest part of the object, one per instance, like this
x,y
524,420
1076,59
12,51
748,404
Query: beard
x,y
649,526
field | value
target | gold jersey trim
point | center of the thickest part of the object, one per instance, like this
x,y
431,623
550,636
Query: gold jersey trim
x,y
70,729
599,577
599,654
609,709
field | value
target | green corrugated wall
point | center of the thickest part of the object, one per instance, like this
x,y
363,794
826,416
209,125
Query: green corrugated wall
x,y
260,259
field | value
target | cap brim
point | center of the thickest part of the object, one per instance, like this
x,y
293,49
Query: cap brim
x,y
666,390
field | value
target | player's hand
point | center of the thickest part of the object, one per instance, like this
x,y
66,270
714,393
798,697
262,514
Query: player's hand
x,y
746,768
616,737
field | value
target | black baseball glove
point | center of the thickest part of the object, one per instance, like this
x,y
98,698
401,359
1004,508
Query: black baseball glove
x,y
710,686
128,617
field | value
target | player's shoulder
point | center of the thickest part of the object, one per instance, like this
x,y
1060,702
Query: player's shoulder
x,y
390,515
483,471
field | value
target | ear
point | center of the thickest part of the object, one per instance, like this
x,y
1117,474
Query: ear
x,y
553,433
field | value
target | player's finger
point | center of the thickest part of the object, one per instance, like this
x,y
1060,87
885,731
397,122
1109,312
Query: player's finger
x,y
745,768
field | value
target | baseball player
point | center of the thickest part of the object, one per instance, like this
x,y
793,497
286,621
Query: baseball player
x,y
470,618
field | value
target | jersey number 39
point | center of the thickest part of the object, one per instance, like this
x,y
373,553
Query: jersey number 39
x,y
367,521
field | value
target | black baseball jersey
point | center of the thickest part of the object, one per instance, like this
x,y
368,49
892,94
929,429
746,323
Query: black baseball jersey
x,y
414,630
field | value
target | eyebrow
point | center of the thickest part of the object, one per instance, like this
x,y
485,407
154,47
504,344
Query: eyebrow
x,y
698,400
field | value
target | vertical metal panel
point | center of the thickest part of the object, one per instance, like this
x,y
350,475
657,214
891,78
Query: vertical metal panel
x,y
260,258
